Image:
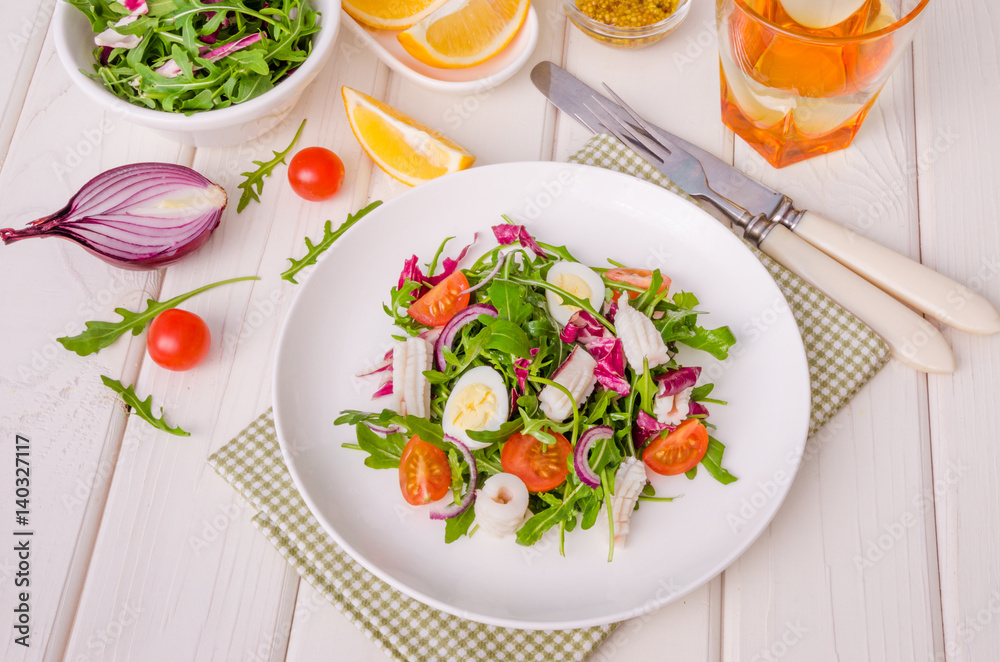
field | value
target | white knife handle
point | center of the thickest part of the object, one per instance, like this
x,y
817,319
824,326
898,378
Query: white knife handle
x,y
909,281
913,340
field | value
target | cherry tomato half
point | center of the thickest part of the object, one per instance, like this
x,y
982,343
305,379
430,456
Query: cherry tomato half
x,y
541,467
316,173
437,307
638,277
424,474
178,340
679,450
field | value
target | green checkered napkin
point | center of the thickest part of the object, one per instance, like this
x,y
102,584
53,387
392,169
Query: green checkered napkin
x,y
843,355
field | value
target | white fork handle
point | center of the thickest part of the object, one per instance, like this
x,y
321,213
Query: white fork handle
x,y
909,281
913,340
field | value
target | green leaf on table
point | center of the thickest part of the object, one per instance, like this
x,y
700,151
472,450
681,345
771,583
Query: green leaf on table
x,y
142,408
313,251
253,183
101,334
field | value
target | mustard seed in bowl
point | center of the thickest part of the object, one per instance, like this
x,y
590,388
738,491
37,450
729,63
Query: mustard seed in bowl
x,y
628,13
626,23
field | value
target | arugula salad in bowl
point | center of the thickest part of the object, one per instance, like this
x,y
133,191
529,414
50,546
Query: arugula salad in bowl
x,y
527,392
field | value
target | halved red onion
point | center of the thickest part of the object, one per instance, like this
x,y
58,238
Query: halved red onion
x,y
456,509
502,258
581,463
450,330
138,216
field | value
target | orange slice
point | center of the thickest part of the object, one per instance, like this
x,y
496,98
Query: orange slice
x,y
390,14
464,33
406,149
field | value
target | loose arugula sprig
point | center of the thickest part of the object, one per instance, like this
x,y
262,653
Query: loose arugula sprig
x,y
178,35
313,251
142,408
101,334
253,184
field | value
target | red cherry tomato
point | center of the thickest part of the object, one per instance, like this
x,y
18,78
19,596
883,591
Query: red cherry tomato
x,y
439,305
541,467
639,277
178,340
316,173
679,450
424,474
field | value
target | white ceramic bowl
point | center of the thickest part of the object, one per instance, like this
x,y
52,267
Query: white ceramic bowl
x,y
225,126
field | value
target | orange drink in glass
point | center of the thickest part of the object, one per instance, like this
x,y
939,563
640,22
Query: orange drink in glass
x,y
799,76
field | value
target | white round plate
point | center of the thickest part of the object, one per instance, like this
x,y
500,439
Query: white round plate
x,y
336,327
479,78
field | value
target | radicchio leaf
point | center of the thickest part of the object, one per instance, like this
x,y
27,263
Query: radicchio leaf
x,y
647,427
676,381
583,327
610,370
697,409
508,234
521,369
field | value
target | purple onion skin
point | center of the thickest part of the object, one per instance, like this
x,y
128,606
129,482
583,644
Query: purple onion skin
x,y
74,220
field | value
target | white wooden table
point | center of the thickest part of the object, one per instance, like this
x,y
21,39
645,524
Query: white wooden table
x,y
887,547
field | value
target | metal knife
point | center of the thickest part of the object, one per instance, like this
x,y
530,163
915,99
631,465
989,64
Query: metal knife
x,y
912,339
911,282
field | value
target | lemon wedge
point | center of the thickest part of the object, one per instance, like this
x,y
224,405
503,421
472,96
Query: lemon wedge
x,y
464,33
404,148
390,14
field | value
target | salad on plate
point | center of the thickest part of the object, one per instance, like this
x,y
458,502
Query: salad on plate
x,y
528,392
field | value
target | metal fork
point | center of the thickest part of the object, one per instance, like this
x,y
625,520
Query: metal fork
x,y
678,165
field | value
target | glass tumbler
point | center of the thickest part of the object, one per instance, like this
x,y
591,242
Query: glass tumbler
x,y
799,76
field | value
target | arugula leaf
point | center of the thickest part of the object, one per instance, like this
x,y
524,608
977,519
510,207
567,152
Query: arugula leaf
x,y
142,408
646,387
536,526
313,251
699,393
714,341
101,334
456,527
713,462
253,184
506,337
383,452
509,300
490,436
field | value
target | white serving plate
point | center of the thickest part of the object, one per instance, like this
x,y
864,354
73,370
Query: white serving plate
x,y
335,327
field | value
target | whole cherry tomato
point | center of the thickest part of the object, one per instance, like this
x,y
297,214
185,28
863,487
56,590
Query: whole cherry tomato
x,y
316,173
178,340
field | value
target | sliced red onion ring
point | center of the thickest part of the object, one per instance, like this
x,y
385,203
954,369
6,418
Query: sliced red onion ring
x,y
384,364
384,431
580,462
489,276
456,509
384,391
460,319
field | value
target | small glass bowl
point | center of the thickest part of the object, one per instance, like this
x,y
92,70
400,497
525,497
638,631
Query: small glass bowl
x,y
626,37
